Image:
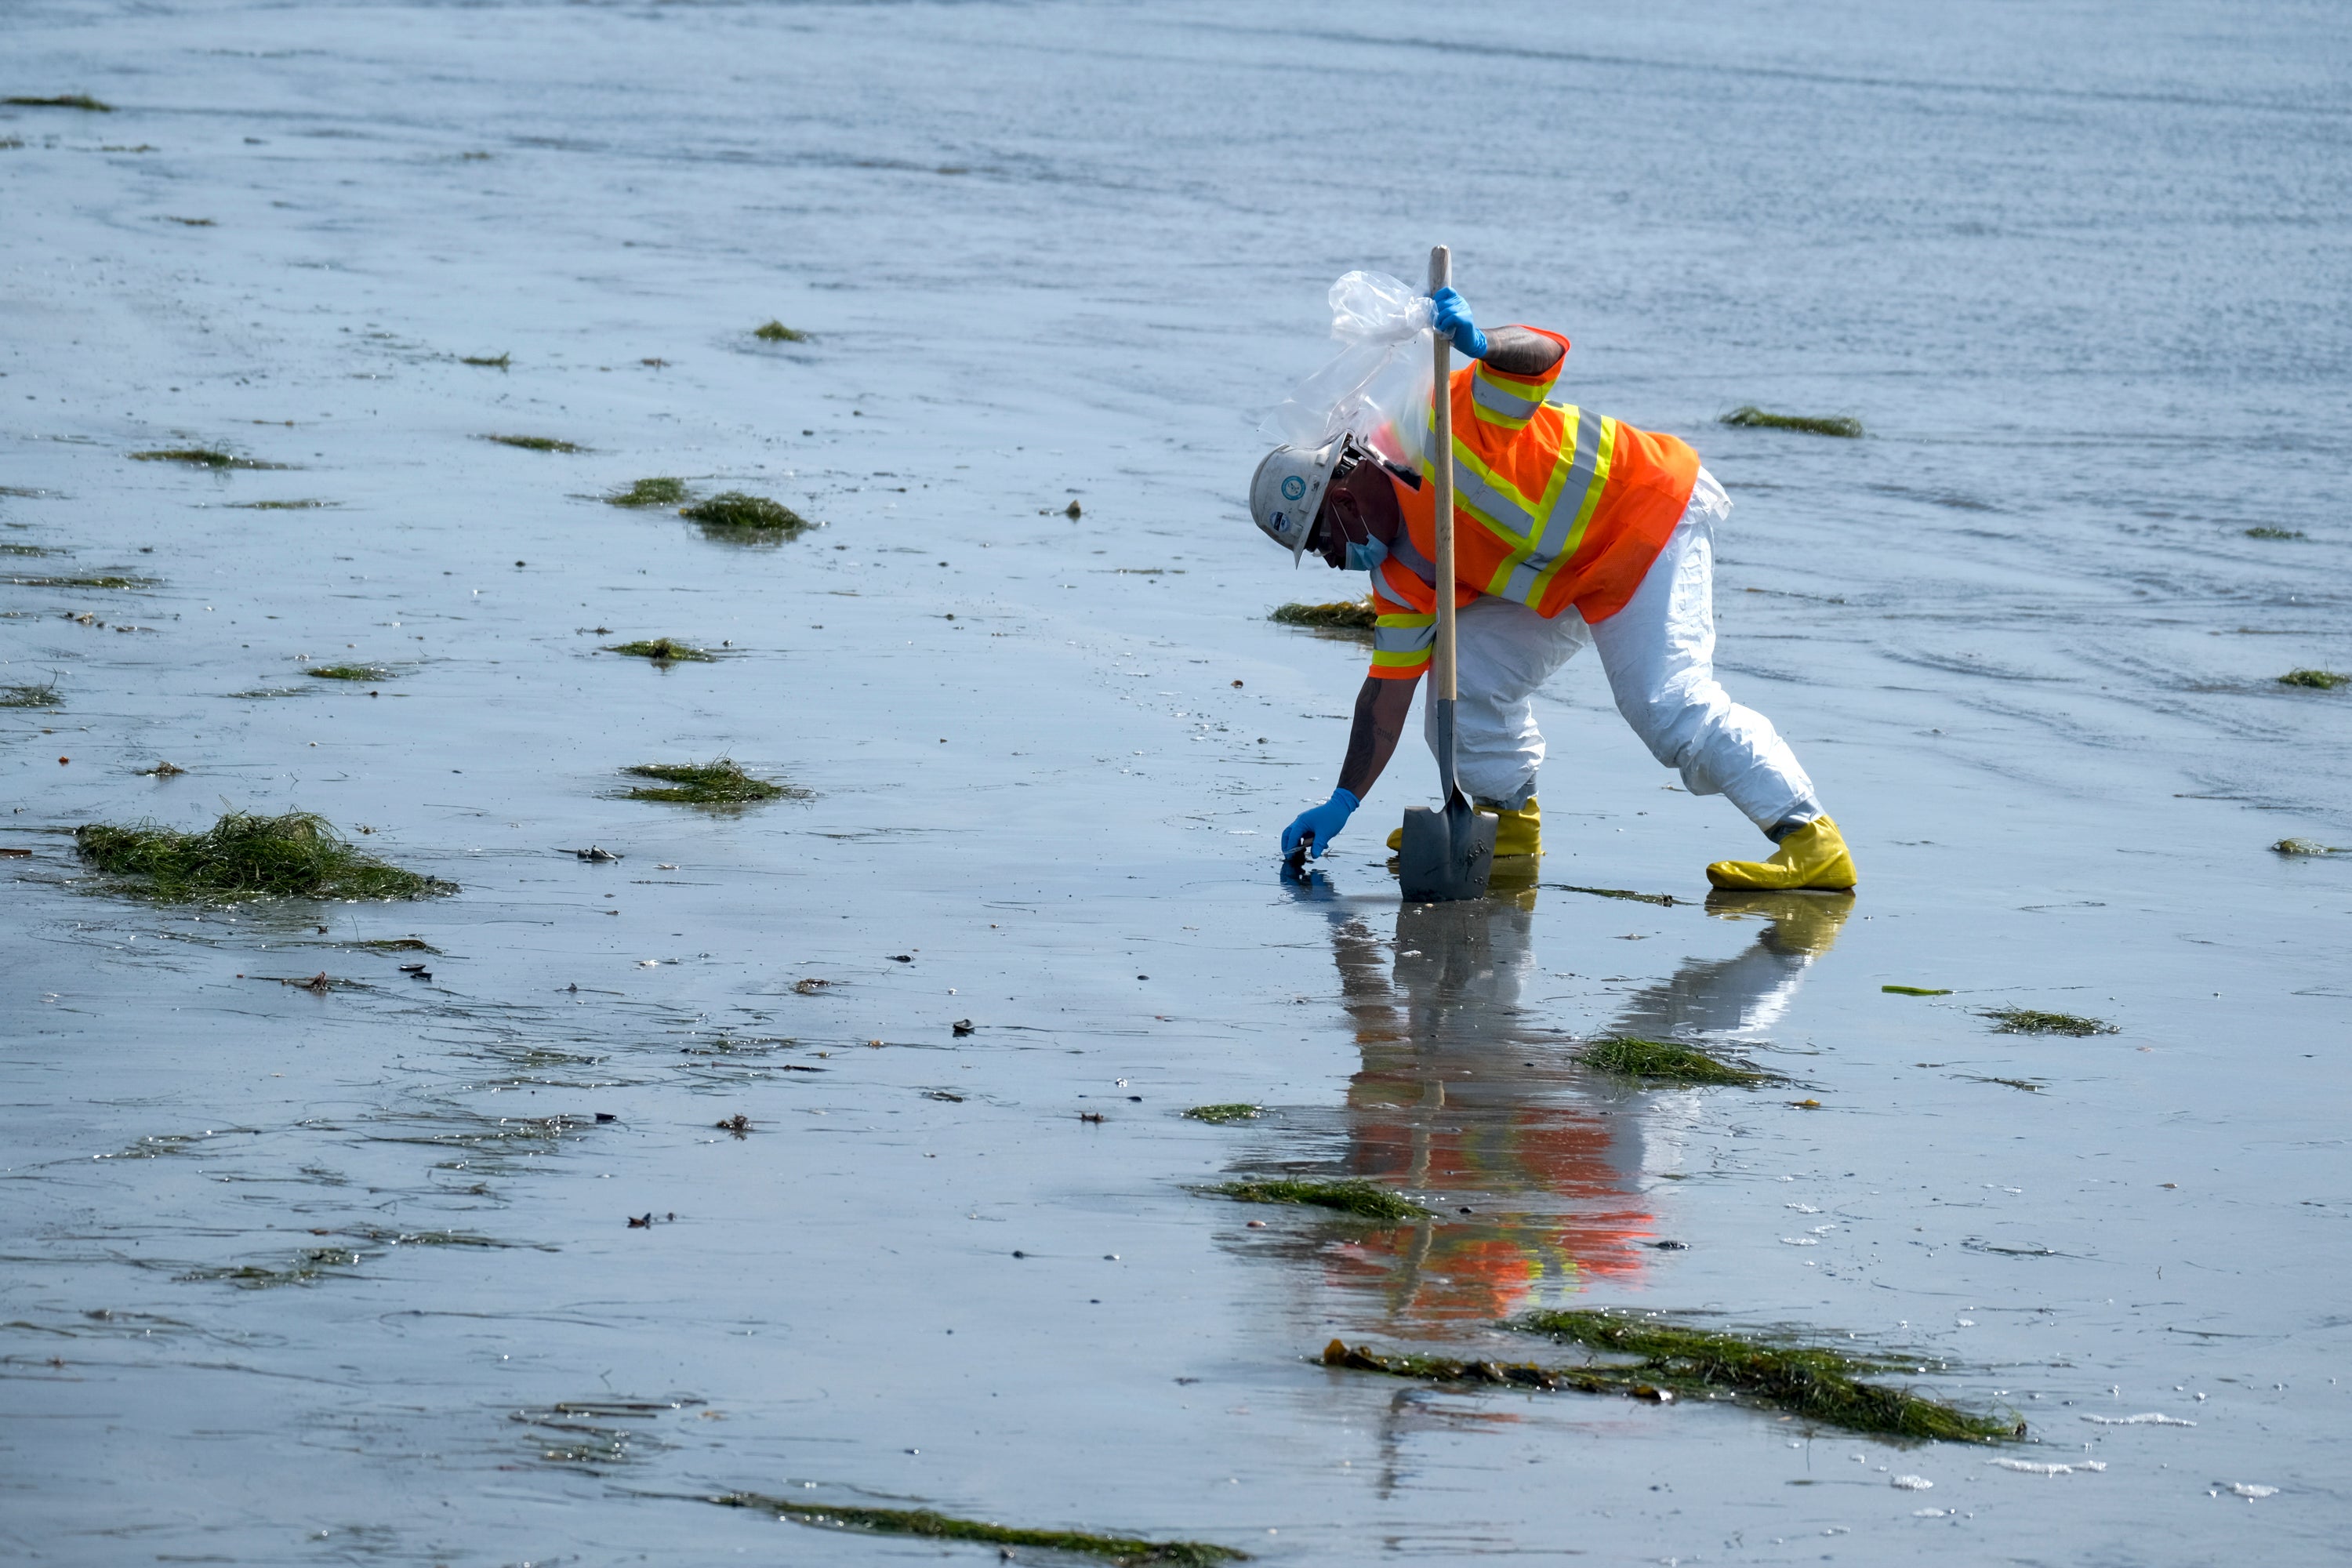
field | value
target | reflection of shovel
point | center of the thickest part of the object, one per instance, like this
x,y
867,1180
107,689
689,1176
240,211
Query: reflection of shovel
x,y
1446,853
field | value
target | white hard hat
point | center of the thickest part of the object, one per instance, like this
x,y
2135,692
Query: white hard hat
x,y
1287,491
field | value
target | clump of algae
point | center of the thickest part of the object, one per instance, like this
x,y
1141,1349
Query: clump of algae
x,y
536,443
107,580
1348,615
487,361
245,856
1750,417
44,695
1365,1200
661,650
317,1263
1812,1382
739,513
719,782
924,1522
2283,847
2266,532
202,457
650,492
2317,679
1913,991
281,505
2028,1021
777,333
348,672
1224,1115
1666,1061
81,101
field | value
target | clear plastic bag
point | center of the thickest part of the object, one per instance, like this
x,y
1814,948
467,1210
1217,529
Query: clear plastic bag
x,y
1377,387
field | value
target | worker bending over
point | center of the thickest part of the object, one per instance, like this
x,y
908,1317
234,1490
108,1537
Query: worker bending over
x,y
1569,528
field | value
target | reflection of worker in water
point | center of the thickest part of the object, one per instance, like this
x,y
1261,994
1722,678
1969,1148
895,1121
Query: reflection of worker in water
x,y
1469,1101
1558,510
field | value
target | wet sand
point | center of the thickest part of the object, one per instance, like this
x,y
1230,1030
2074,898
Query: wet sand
x,y
2019,635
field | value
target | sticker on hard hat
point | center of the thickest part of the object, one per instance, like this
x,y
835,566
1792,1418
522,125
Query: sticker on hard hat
x,y
1293,488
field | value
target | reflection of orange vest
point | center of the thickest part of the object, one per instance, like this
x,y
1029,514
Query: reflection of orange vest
x,y
1553,505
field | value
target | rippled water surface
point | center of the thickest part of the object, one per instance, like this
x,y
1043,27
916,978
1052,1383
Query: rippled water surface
x,y
344,1274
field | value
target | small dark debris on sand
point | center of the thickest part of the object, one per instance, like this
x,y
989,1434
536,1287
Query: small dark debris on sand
x,y
536,443
738,1124
662,650
812,987
1812,1382
348,672
1351,615
1226,1115
1118,1550
1913,991
281,505
2291,847
2028,1021
2316,679
201,457
80,100
660,491
191,222
2266,532
487,361
1074,511
735,510
1663,900
963,1027
719,782
1748,417
1666,1061
1365,1200
594,852
777,333
397,945
44,695
244,856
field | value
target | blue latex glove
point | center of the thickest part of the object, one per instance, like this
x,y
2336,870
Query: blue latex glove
x,y
1453,320
1324,821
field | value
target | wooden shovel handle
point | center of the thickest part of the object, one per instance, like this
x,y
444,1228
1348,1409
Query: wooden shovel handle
x,y
1441,474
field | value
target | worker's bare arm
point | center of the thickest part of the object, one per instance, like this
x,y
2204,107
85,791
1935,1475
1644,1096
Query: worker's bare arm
x,y
1380,711
1515,350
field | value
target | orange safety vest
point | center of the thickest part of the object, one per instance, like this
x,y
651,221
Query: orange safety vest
x,y
1553,506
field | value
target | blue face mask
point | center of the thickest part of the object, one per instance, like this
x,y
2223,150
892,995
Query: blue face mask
x,y
1366,553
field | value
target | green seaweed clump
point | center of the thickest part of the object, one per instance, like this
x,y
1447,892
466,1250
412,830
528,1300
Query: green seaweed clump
x,y
317,1263
202,457
1348,615
777,333
44,695
2266,532
81,101
1817,1384
348,672
1913,991
2283,847
720,782
1748,417
536,443
733,510
1667,1061
244,856
1365,1200
281,505
487,361
2317,679
2027,1021
104,581
1118,1550
661,650
1226,1115
650,492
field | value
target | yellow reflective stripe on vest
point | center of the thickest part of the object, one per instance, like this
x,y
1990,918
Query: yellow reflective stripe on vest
x,y
1510,404
1579,477
1402,641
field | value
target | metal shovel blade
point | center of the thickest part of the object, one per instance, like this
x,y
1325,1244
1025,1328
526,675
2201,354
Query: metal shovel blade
x,y
1446,854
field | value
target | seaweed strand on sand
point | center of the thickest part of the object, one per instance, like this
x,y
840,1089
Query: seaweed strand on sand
x,y
1750,417
1365,1200
923,1522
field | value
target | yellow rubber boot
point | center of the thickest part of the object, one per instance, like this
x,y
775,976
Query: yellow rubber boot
x,y
1517,832
1812,857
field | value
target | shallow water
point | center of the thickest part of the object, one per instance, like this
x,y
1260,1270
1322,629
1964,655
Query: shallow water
x,y
309,1277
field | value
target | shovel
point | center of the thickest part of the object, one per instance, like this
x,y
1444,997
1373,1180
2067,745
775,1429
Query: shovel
x,y
1448,852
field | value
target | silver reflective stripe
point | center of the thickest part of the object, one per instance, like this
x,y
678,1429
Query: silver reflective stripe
x,y
1567,507
1404,639
1497,401
1471,490
1407,555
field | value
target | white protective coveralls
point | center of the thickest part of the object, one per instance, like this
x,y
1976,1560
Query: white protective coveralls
x,y
1659,654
